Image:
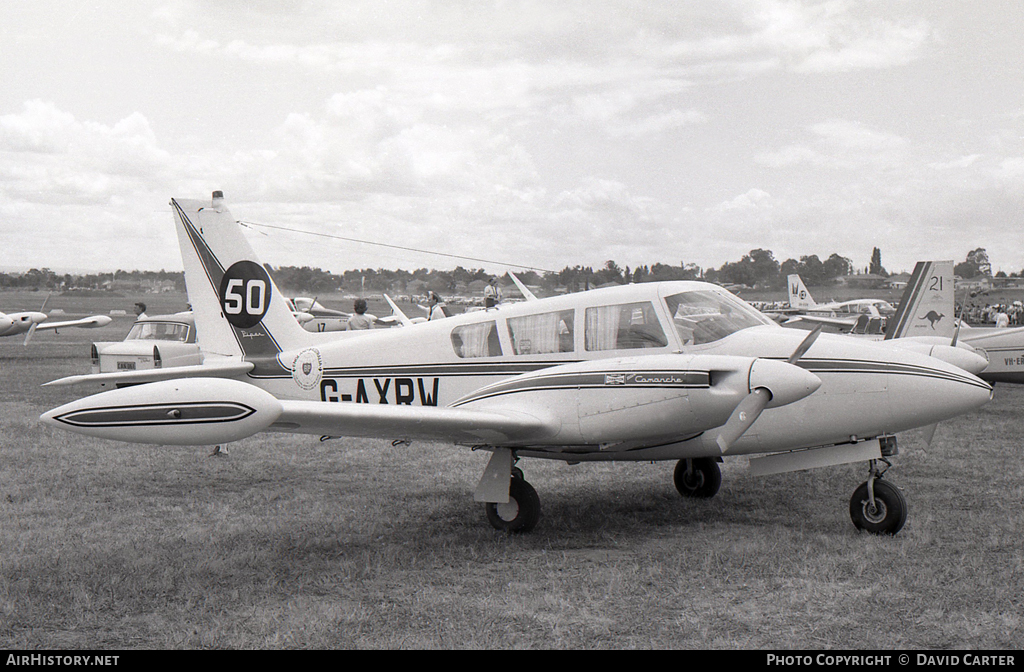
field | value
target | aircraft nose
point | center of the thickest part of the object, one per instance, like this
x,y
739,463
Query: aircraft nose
x,y
786,382
37,317
940,392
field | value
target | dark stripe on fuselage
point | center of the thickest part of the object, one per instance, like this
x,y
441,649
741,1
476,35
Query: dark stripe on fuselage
x,y
158,414
818,366
607,380
472,368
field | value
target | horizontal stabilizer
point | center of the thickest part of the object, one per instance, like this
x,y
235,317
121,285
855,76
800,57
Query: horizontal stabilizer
x,y
226,369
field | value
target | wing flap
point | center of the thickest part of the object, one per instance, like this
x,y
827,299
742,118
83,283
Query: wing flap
x,y
428,423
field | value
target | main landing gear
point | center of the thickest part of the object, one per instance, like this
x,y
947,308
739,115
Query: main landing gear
x,y
699,477
522,511
511,504
878,506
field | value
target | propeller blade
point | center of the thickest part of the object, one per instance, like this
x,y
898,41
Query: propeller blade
x,y
959,321
743,416
929,434
31,332
805,345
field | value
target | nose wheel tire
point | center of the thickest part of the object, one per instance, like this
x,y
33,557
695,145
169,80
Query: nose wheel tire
x,y
888,513
522,511
698,477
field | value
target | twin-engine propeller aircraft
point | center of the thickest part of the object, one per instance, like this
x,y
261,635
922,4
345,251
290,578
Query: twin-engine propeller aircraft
x,y
660,371
29,322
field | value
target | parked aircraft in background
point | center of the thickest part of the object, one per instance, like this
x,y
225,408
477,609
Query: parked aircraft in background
x,y
29,322
681,371
862,315
912,327
936,319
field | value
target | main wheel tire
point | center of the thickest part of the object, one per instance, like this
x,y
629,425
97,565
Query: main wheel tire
x,y
702,481
888,514
522,511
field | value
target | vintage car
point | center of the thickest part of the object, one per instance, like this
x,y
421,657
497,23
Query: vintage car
x,y
154,341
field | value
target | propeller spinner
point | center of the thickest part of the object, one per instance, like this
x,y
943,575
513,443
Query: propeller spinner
x,y
751,406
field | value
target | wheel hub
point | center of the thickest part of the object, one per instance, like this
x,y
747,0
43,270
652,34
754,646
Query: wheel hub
x,y
509,511
875,513
693,479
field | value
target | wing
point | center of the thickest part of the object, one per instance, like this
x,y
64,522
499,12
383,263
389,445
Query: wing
x,y
209,411
91,322
839,322
224,369
398,314
527,294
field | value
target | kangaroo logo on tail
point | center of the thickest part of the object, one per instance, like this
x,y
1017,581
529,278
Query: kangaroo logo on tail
x,y
932,317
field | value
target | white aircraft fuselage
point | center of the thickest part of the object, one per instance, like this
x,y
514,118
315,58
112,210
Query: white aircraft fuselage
x,y
866,389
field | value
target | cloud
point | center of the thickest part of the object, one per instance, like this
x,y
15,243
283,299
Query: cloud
x,y
831,37
50,156
753,199
840,144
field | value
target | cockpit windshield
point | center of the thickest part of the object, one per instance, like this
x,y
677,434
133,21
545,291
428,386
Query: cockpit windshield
x,y
704,316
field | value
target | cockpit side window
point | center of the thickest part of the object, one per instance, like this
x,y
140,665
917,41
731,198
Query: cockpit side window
x,y
543,333
476,340
705,316
625,326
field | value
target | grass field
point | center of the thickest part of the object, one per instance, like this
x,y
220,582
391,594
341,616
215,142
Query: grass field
x,y
290,542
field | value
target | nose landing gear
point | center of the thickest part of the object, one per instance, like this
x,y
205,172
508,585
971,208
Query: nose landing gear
x,y
878,506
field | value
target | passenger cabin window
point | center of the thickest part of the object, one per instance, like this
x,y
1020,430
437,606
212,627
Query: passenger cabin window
x,y
476,340
705,316
542,334
627,326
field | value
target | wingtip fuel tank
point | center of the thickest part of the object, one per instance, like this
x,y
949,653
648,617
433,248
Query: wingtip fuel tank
x,y
196,411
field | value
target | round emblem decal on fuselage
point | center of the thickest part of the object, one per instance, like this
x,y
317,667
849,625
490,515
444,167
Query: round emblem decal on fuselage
x,y
245,294
308,369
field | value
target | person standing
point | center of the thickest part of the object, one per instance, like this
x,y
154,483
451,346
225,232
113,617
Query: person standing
x,y
359,320
140,311
436,311
492,294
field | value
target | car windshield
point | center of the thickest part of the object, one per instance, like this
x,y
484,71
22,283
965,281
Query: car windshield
x,y
158,331
704,316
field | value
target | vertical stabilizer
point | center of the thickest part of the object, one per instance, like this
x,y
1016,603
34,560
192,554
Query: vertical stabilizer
x,y
238,309
927,305
799,297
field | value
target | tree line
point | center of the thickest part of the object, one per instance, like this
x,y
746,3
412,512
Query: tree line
x,y
757,269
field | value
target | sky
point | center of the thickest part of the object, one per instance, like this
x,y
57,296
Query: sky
x,y
513,135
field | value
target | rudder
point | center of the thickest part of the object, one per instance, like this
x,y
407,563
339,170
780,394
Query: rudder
x,y
927,305
799,297
238,309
